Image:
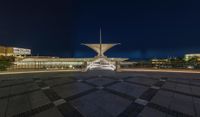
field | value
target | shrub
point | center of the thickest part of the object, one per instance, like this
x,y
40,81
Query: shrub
x,y
4,65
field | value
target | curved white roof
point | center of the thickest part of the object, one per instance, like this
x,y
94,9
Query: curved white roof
x,y
100,48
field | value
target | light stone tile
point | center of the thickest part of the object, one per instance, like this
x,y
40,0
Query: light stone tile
x,y
100,81
59,102
182,103
183,80
88,109
129,89
142,80
71,89
38,99
141,102
183,88
45,88
169,85
9,82
196,82
195,90
101,102
18,104
18,89
162,98
3,106
4,91
197,105
58,81
100,87
149,112
155,87
79,80
31,87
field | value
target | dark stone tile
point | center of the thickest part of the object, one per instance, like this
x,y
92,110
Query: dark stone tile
x,y
51,94
34,111
132,110
52,112
69,111
169,112
148,94
159,83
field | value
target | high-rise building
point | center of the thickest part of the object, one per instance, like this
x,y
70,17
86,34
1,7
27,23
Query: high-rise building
x,y
14,51
2,51
189,56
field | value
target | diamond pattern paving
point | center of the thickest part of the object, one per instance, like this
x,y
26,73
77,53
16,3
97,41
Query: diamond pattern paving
x,y
68,90
129,89
100,81
101,102
100,94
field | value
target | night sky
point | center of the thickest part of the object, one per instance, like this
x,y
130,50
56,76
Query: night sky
x,y
145,28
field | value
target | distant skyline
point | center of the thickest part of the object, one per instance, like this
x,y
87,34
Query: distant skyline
x,y
145,28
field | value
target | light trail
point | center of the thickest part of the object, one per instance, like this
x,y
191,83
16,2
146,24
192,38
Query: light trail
x,y
159,70
24,72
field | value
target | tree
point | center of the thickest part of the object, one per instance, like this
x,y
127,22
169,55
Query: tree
x,y
177,62
4,65
6,62
193,61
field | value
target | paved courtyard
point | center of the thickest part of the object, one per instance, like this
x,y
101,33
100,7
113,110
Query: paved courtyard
x,y
100,94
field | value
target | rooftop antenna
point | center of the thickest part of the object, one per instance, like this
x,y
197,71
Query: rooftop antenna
x,y
100,41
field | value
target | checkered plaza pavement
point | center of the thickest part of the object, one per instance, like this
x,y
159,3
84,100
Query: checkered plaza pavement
x,y
100,94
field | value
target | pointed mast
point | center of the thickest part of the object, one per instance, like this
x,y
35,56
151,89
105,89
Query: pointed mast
x,y
100,41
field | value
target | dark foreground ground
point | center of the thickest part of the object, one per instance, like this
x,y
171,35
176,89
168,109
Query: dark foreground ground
x,y
100,94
